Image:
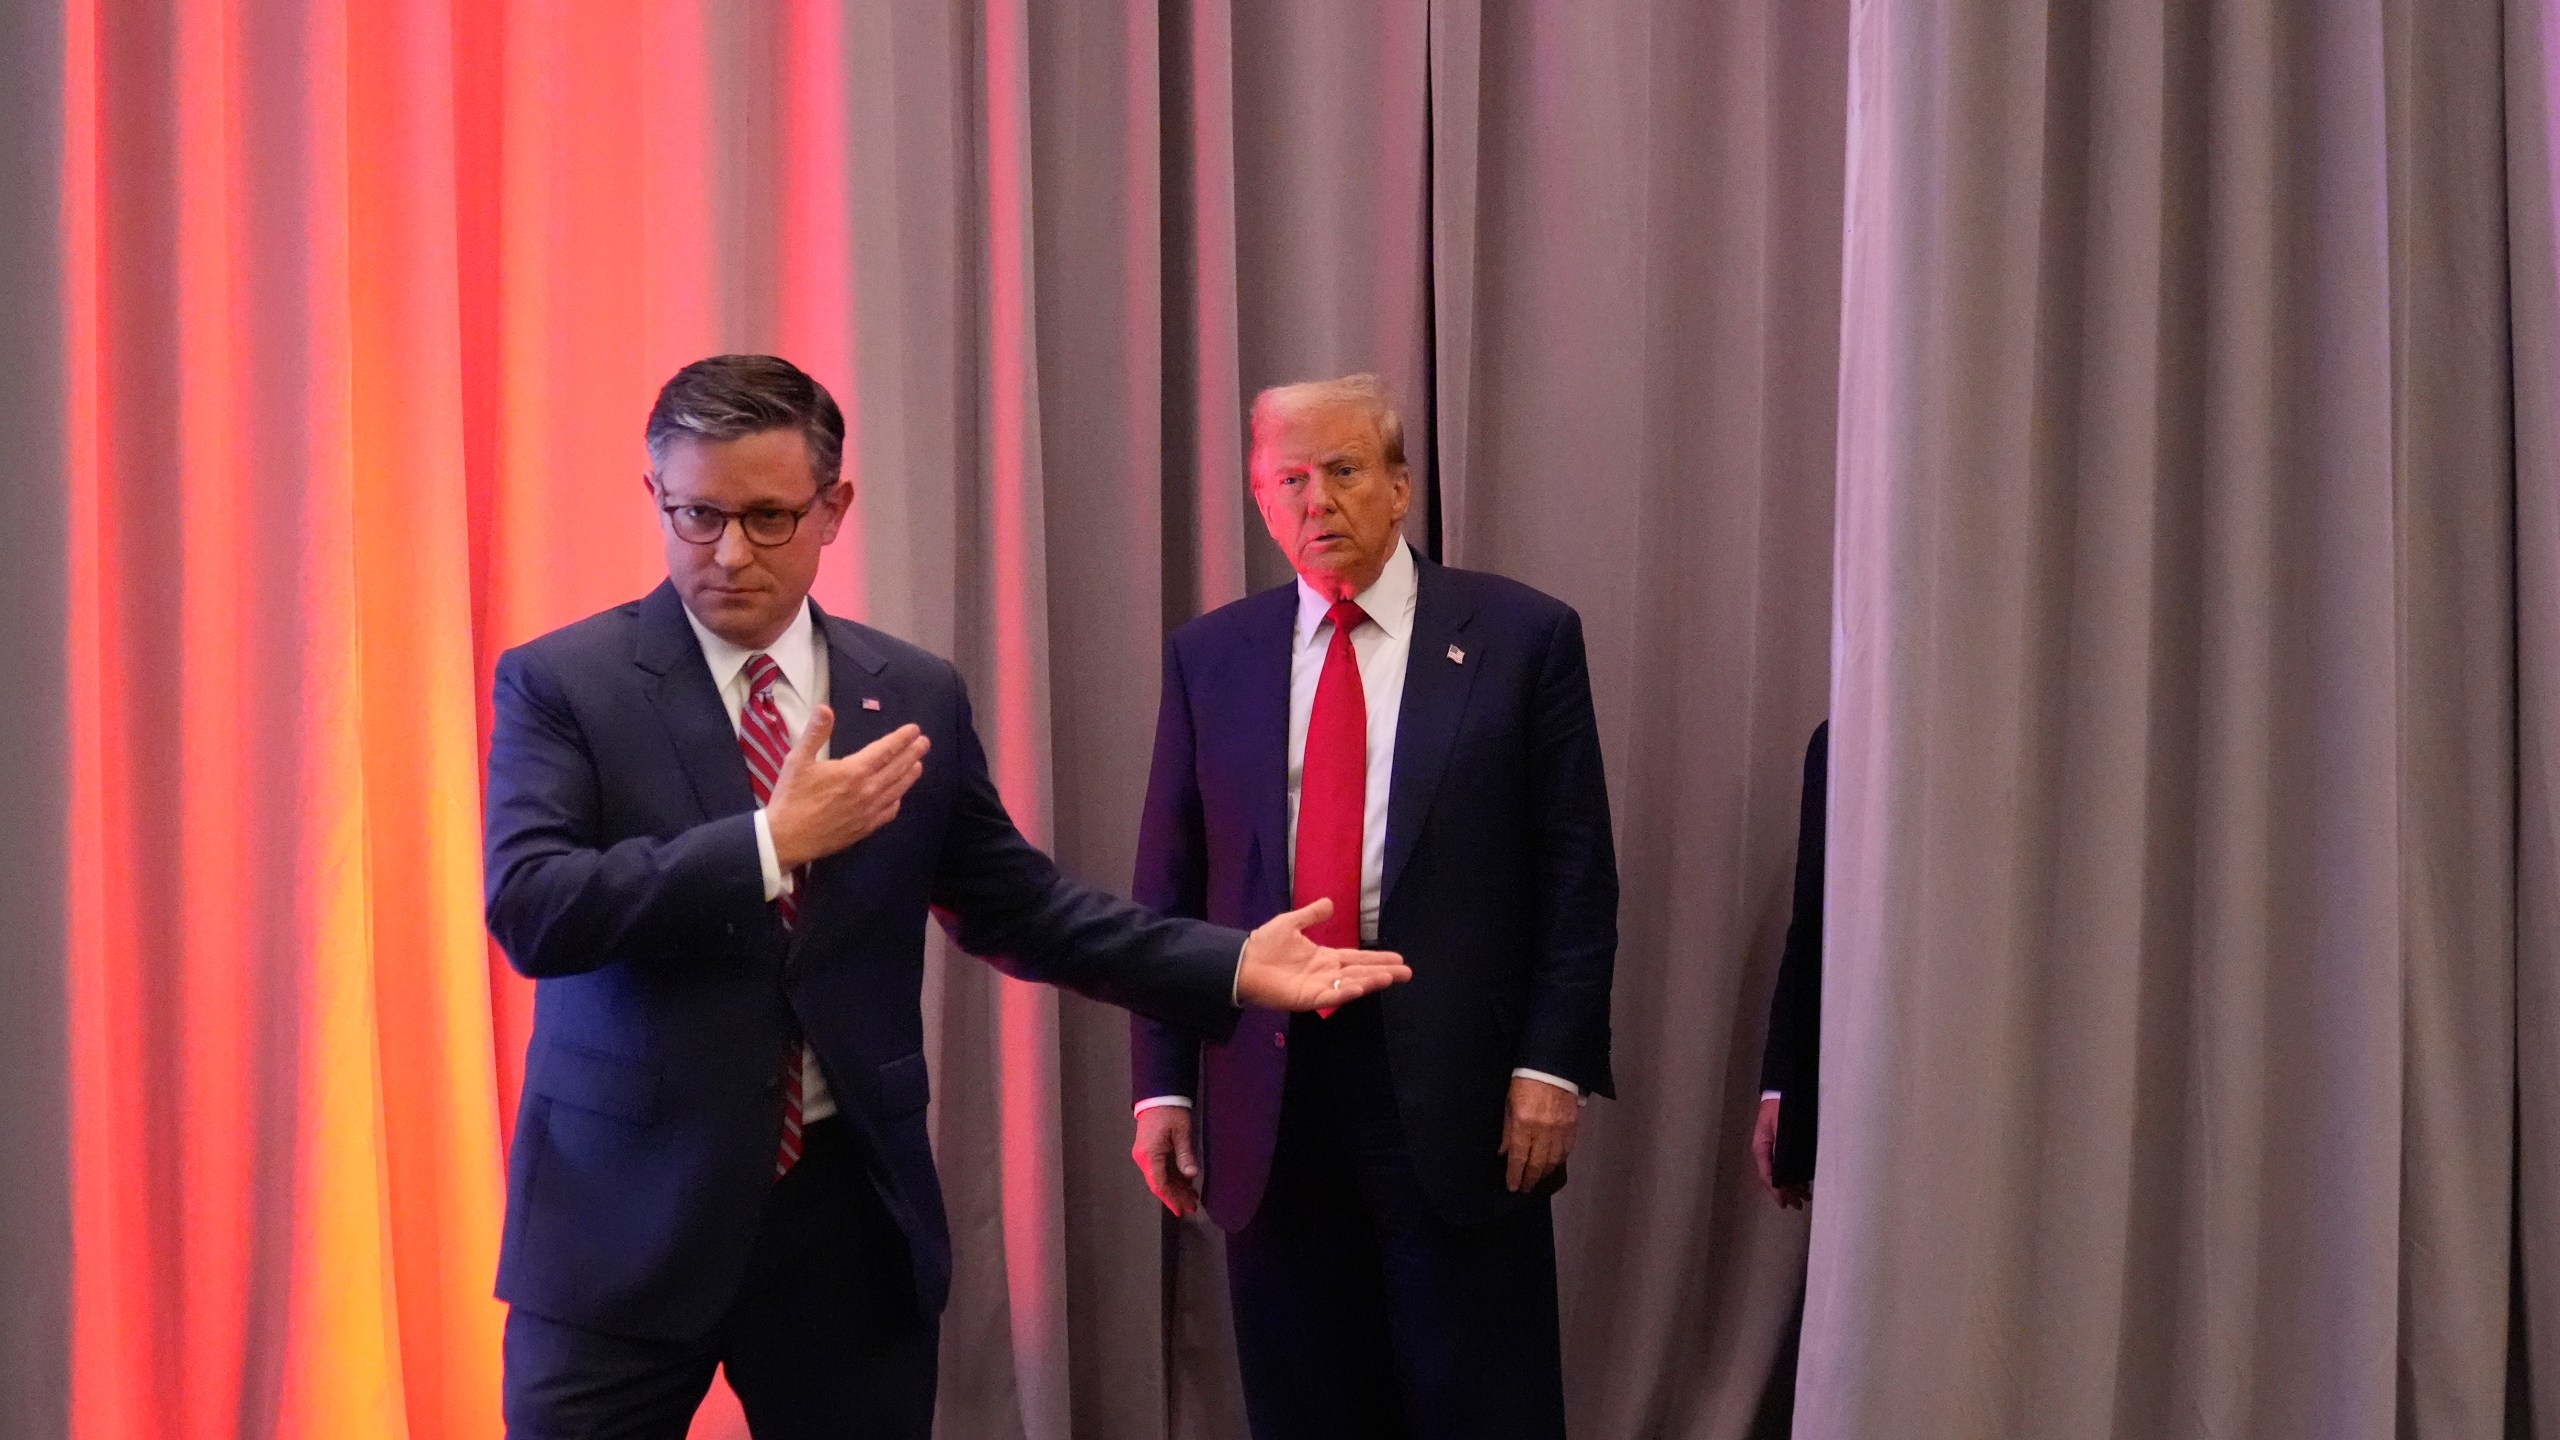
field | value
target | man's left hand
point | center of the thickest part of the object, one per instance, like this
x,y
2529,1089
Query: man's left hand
x,y
1537,1131
1284,970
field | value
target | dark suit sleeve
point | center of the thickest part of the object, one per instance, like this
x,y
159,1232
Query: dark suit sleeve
x,y
1172,877
1005,901
1567,1027
557,902
1793,1034
1790,1062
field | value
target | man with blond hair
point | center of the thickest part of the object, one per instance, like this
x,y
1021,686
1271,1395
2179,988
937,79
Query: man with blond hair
x,y
1415,744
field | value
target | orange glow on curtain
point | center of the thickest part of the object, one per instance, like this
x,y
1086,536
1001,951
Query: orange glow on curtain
x,y
286,1192
365,301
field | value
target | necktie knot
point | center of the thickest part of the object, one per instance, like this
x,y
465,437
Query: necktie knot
x,y
761,673
1346,616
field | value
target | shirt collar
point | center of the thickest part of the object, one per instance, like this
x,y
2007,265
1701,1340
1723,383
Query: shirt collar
x,y
1389,600
796,651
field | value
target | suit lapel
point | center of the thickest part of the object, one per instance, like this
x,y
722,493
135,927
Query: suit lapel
x,y
1435,700
866,709
1262,700
688,705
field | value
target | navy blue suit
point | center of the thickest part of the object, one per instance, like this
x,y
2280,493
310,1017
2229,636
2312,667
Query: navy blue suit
x,y
1499,888
623,876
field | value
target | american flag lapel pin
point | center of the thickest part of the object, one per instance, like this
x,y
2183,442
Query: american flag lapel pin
x,y
1457,656
870,702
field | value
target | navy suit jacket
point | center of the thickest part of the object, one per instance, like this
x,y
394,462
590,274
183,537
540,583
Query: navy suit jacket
x,y
1500,884
623,876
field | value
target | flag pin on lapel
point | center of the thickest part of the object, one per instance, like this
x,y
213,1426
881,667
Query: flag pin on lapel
x,y
870,703
1457,656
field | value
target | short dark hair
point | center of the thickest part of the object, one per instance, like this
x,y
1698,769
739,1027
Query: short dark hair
x,y
728,397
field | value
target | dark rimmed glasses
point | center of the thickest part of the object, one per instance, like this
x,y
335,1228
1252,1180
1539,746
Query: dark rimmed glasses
x,y
765,526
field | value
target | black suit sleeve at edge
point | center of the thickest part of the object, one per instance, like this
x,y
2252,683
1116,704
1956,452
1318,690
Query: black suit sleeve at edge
x,y
1171,878
1791,1059
1566,1031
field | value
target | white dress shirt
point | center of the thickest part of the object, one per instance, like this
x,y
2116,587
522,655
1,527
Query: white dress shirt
x,y
1381,648
803,662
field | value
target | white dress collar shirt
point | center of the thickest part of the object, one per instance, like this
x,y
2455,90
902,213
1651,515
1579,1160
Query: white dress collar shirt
x,y
802,659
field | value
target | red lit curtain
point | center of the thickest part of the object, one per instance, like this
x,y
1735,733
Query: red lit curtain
x,y
362,302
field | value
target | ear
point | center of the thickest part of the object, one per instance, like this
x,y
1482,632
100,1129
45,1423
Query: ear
x,y
1402,479
833,504
1265,501
649,482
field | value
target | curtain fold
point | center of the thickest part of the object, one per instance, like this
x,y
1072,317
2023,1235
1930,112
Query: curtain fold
x,y
2533,212
35,1226
278,1009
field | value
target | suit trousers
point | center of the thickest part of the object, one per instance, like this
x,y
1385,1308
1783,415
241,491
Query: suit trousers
x,y
1360,1313
824,1339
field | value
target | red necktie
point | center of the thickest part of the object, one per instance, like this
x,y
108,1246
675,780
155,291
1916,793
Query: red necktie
x,y
764,740
1333,788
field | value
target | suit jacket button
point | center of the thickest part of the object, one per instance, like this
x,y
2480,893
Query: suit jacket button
x,y
1279,1040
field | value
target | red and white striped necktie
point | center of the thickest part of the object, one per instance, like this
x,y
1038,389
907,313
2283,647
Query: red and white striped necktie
x,y
765,740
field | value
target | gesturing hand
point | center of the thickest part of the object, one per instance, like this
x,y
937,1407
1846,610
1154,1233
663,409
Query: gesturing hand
x,y
1164,1156
1284,970
1538,1129
820,806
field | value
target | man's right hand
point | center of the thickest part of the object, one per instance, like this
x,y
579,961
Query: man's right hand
x,y
1764,1154
820,806
1163,1153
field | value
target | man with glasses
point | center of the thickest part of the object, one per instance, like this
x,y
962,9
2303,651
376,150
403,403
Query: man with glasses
x,y
717,818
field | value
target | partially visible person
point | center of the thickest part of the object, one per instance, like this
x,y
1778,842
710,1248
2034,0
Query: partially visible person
x,y
1784,1140
717,818
1416,744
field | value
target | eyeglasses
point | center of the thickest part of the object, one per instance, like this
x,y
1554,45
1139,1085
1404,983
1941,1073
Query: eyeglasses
x,y
765,526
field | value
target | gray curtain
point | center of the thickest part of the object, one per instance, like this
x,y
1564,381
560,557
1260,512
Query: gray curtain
x,y
2170,1038
2533,210
35,1223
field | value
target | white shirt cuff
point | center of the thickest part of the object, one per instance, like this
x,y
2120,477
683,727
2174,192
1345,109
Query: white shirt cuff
x,y
776,884
1235,987
1557,1081
1152,1101
1771,1094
